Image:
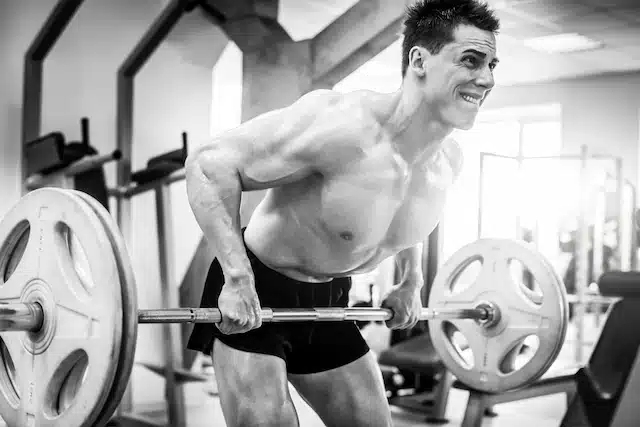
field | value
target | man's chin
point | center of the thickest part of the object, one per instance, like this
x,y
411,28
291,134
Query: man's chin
x,y
465,124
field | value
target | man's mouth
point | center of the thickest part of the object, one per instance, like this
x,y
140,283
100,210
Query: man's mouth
x,y
471,98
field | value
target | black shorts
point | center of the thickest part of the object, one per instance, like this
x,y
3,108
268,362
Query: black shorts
x,y
306,347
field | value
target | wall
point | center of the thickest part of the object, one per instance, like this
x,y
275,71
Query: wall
x,y
171,96
601,112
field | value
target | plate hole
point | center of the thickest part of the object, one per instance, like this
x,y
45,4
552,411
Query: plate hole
x,y
526,281
519,354
458,345
13,249
467,276
8,378
78,256
66,383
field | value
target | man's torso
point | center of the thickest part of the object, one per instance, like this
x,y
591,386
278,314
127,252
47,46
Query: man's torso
x,y
362,208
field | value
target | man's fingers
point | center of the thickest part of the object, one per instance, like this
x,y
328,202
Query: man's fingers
x,y
257,312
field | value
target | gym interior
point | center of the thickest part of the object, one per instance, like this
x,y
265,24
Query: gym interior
x,y
109,97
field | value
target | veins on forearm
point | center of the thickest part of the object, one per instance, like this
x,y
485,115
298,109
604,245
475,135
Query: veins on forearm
x,y
408,261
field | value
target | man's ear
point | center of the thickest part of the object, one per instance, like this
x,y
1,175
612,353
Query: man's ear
x,y
417,60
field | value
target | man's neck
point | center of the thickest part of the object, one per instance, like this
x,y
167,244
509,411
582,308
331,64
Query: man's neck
x,y
413,125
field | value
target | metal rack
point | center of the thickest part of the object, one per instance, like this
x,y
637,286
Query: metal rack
x,y
625,252
55,24
34,58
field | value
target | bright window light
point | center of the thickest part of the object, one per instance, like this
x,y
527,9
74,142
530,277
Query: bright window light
x,y
562,43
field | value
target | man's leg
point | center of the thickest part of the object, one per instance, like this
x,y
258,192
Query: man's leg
x,y
253,388
352,395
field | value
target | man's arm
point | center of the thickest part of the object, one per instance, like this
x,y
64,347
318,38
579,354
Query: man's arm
x,y
272,149
409,263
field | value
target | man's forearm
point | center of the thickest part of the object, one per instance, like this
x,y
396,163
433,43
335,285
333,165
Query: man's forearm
x,y
215,202
409,263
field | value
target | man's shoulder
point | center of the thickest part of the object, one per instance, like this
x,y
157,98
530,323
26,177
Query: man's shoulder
x,y
369,103
354,113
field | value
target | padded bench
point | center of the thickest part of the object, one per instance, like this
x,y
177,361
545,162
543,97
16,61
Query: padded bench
x,y
417,355
552,382
608,386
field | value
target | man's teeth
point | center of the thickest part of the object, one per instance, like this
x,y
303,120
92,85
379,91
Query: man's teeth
x,y
470,99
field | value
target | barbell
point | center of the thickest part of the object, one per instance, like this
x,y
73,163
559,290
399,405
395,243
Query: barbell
x,y
69,316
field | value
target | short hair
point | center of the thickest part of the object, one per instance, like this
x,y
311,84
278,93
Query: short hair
x,y
431,23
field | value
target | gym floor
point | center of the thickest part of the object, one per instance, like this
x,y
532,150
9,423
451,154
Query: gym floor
x,y
539,412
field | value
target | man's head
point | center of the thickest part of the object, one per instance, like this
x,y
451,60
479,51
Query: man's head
x,y
449,47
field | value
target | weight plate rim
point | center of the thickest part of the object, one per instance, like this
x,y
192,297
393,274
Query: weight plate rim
x,y
438,337
129,296
25,209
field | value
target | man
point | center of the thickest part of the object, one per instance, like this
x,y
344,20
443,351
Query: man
x,y
353,179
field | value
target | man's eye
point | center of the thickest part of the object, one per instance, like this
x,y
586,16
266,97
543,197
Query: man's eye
x,y
471,61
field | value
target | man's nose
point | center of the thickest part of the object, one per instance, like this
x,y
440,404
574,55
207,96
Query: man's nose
x,y
485,78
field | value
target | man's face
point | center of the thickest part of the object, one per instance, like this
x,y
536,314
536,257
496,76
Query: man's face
x,y
459,78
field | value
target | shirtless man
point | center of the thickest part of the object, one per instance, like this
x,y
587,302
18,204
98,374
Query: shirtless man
x,y
352,179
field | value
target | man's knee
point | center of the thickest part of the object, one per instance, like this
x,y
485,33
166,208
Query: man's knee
x,y
268,412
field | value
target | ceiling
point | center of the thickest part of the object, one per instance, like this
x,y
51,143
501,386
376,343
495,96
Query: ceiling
x,y
613,23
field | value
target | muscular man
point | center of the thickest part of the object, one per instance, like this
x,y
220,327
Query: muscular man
x,y
352,179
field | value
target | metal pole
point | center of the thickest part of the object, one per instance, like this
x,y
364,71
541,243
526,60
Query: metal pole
x,y
83,165
37,52
480,193
633,262
620,208
516,198
21,317
174,390
598,241
132,189
29,316
366,314
582,252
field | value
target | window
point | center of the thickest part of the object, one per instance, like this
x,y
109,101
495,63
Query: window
x,y
496,209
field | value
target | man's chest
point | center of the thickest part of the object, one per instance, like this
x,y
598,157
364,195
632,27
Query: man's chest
x,y
381,202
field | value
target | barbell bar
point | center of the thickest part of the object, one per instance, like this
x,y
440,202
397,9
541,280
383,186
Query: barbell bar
x,y
30,316
87,313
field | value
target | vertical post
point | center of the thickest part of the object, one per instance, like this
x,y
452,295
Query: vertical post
x,y
174,390
598,240
519,160
633,262
582,253
620,205
124,122
480,193
46,38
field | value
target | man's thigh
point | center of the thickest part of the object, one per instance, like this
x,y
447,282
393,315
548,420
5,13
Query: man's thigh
x,y
351,395
253,388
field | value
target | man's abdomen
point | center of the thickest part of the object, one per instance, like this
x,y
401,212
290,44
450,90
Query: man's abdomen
x,y
294,239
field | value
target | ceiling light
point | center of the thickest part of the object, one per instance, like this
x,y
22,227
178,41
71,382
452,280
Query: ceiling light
x,y
562,43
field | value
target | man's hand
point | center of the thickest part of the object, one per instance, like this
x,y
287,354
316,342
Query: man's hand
x,y
240,308
404,302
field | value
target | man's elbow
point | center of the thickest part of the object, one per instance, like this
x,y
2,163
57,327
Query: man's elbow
x,y
212,166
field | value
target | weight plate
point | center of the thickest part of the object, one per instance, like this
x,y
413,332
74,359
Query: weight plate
x,y
520,317
58,375
129,305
